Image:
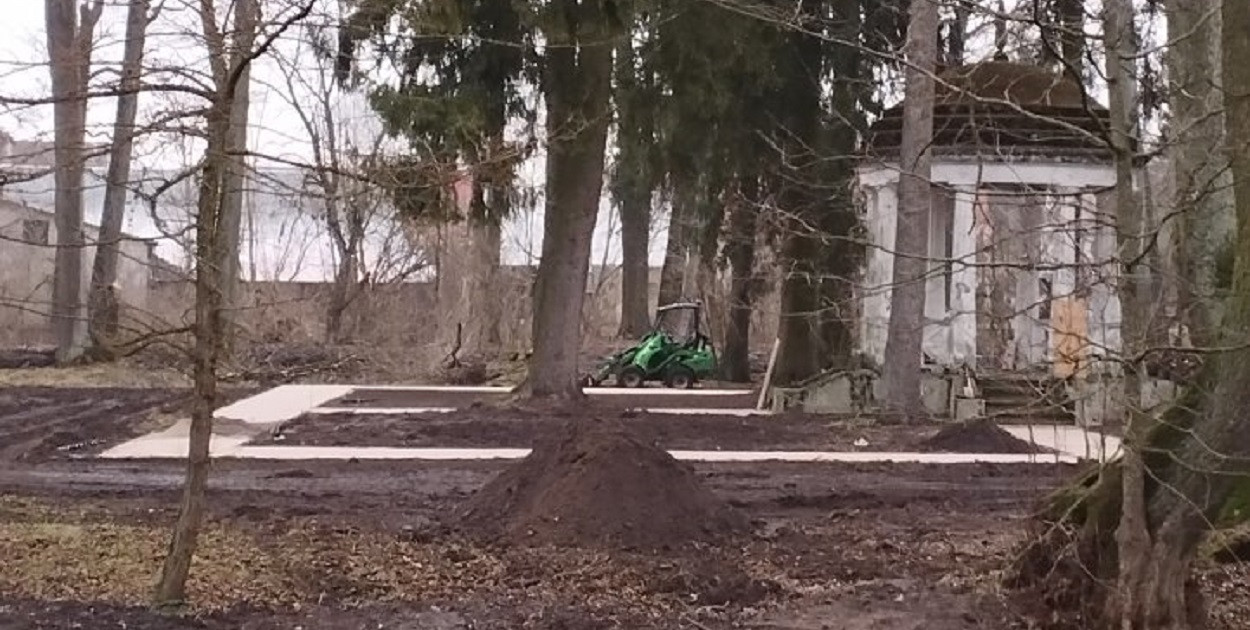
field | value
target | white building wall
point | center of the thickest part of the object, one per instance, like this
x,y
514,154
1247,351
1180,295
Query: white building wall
x,y
26,273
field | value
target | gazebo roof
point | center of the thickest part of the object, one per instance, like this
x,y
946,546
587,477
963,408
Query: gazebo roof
x,y
1005,111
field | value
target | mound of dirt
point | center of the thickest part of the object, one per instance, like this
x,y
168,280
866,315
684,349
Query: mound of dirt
x,y
594,483
978,436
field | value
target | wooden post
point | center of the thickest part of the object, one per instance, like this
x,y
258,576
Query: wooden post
x,y
768,374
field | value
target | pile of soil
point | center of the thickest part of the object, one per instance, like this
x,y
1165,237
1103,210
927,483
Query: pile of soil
x,y
594,483
978,436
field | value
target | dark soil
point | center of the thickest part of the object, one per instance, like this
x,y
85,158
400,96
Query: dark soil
x,y
521,427
853,547
44,422
20,358
343,545
979,436
641,398
597,483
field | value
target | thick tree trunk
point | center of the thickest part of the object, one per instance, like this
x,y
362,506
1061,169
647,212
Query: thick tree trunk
x,y
798,357
246,23
633,183
577,87
904,344
1203,187
70,32
842,256
635,269
677,249
740,252
102,312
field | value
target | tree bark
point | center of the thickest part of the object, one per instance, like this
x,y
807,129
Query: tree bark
x,y
842,256
102,312
246,23
70,32
904,344
1133,535
740,252
577,87
803,205
1203,187
635,268
677,249
210,331
633,183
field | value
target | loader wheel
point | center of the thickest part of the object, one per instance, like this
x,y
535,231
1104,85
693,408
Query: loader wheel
x,y
630,377
679,377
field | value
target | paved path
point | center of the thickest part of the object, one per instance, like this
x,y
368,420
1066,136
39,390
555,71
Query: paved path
x,y
271,408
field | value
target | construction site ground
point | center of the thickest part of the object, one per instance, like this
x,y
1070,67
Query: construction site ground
x,y
361,542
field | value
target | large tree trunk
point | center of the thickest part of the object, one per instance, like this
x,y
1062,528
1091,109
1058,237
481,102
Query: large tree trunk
x,y
70,39
842,256
1191,463
246,23
798,357
577,87
904,344
633,183
677,249
1203,190
740,253
635,269
102,309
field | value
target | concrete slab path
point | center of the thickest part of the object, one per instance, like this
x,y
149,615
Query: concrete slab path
x,y
286,402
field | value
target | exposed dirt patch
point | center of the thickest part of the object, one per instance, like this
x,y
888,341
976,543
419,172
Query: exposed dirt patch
x,y
39,423
979,436
596,483
641,398
486,426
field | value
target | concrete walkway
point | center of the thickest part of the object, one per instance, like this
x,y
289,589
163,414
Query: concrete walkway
x,y
249,417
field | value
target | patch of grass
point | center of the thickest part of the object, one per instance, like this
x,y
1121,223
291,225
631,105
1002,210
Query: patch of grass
x,y
94,375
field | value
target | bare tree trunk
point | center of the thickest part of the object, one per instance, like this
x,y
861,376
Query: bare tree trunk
x,y
577,87
210,331
1203,190
635,270
70,32
904,344
1133,534
677,249
740,251
246,22
102,306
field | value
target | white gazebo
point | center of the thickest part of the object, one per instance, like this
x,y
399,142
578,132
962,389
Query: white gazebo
x,y
1022,235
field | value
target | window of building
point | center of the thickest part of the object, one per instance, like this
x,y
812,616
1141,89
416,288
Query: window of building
x,y
35,231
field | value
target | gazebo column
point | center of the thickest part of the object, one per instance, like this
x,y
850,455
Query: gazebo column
x,y
964,278
881,219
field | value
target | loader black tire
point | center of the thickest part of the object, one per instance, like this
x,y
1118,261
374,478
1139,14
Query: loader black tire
x,y
630,376
679,377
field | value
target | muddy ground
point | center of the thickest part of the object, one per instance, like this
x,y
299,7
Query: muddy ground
x,y
519,427
647,397
352,545
38,423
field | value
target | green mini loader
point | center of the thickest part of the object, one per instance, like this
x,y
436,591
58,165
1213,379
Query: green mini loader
x,y
675,352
